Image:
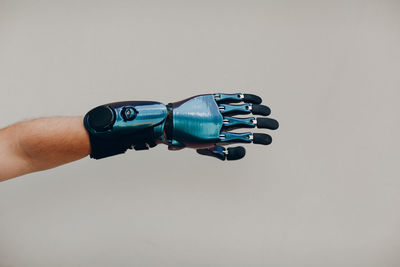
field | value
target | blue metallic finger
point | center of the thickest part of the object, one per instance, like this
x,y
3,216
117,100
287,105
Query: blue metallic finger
x,y
228,98
231,122
235,137
256,138
235,109
234,123
235,98
219,152
255,109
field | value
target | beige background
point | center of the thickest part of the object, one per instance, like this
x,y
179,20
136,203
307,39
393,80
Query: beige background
x,y
325,193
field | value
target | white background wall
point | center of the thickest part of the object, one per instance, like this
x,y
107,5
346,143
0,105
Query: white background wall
x,y
325,193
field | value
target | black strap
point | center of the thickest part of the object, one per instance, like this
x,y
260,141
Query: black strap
x,y
106,146
169,123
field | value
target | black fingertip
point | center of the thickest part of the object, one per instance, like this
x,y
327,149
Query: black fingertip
x,y
250,98
267,123
260,110
235,153
262,139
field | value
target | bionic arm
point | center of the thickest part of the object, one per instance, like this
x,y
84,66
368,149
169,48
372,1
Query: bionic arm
x,y
202,122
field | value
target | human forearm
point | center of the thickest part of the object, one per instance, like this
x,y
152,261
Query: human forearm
x,y
41,144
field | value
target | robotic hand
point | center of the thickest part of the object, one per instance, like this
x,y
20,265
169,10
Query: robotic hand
x,y
202,122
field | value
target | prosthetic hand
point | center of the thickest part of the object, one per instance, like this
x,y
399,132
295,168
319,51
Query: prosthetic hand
x,y
201,122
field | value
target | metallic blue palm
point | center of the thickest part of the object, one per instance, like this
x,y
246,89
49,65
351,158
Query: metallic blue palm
x,y
196,122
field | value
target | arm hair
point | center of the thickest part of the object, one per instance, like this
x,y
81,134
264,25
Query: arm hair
x,y
41,144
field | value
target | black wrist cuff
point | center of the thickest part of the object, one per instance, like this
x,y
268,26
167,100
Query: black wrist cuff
x,y
114,128
107,146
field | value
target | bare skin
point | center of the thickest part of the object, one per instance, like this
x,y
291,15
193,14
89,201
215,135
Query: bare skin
x,y
41,144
